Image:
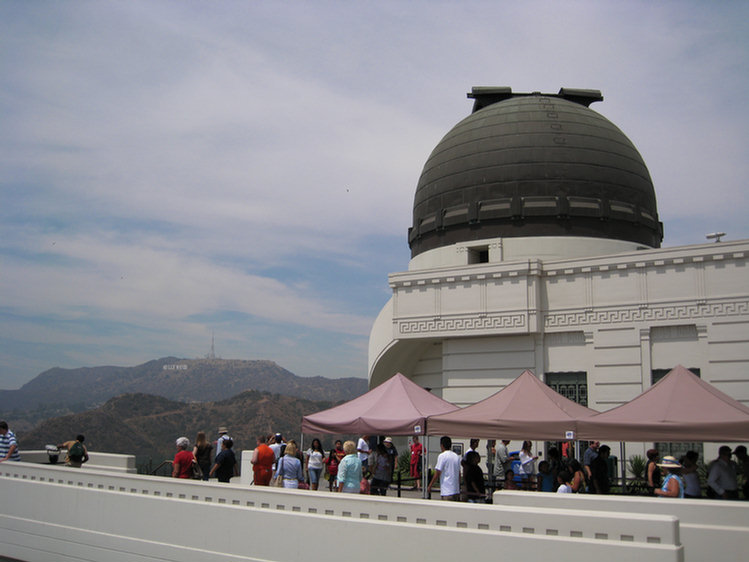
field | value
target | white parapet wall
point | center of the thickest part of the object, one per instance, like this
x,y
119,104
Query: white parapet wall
x,y
96,461
56,513
709,529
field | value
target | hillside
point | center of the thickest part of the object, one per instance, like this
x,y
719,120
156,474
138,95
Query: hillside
x,y
147,425
61,391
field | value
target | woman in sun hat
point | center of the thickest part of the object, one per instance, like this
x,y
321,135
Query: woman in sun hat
x,y
673,486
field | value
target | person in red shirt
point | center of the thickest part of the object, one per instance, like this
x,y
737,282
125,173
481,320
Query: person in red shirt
x,y
332,462
414,468
182,464
262,461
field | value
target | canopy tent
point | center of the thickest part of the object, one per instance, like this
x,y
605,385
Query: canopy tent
x,y
679,407
396,407
525,409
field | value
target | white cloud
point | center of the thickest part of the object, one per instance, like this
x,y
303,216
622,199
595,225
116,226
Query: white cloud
x,y
162,164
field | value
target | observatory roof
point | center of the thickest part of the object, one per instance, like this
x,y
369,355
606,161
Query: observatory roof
x,y
533,164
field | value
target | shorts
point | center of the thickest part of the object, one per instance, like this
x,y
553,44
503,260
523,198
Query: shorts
x,y
314,475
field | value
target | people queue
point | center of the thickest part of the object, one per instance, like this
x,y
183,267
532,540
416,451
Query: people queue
x,y
363,467
368,466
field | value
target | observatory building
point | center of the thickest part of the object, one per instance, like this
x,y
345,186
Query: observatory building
x,y
536,244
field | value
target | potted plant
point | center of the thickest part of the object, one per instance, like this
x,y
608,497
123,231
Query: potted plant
x,y
636,467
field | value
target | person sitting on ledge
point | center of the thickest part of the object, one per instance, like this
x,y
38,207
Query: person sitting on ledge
x,y
77,452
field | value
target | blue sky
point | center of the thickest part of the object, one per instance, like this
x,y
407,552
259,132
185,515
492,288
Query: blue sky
x,y
173,170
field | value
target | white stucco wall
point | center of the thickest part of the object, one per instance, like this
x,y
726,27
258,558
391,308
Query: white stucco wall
x,y
468,330
55,513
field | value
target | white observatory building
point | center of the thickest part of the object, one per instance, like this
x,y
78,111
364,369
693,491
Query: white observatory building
x,y
536,245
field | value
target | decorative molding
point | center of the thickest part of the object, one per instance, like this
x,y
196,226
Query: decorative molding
x,y
462,324
654,313
534,268
701,332
564,338
701,283
658,259
670,333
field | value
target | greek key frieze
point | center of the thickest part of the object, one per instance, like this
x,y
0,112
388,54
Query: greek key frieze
x,y
462,324
652,313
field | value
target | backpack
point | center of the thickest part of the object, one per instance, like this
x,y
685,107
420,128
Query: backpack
x,y
76,452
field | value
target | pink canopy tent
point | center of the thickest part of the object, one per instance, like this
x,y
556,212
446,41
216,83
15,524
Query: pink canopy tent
x,y
679,407
525,409
396,407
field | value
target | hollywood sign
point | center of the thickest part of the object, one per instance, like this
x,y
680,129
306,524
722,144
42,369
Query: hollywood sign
x,y
175,367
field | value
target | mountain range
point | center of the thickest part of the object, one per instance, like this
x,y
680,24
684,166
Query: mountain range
x,y
147,425
58,392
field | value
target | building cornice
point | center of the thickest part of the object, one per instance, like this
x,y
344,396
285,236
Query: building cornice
x,y
534,296
655,258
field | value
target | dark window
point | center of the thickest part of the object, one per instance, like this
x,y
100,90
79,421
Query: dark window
x,y
478,255
572,385
658,374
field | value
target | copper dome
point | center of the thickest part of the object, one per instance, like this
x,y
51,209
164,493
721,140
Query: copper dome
x,y
534,165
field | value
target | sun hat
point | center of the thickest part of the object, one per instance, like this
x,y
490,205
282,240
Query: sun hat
x,y
669,462
222,429
388,440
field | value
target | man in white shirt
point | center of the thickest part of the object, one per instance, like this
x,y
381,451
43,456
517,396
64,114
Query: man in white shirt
x,y
223,435
447,470
277,446
362,451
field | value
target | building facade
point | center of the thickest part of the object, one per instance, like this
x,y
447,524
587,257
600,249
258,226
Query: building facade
x,y
536,245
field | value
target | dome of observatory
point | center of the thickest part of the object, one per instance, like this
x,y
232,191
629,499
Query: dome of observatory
x,y
534,165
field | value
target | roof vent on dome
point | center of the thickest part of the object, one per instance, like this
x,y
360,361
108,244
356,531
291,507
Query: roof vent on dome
x,y
484,96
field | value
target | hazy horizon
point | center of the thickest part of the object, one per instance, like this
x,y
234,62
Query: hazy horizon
x,y
174,170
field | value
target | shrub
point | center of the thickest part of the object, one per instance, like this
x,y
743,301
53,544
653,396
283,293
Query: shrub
x,y
636,466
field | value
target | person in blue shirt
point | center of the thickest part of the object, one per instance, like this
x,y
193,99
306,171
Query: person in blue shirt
x,y
349,470
290,467
225,463
545,478
673,485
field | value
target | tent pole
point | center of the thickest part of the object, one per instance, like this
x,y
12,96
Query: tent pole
x,y
424,467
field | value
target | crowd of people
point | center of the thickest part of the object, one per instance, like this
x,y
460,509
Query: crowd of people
x,y
370,464
562,473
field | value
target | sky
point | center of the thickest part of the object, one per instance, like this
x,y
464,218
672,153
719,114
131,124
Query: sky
x,y
173,172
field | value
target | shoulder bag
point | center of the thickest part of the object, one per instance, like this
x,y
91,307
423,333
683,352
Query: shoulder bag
x,y
277,481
